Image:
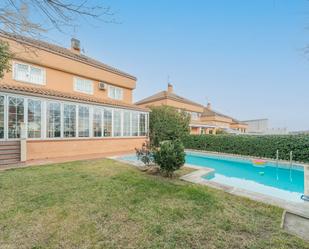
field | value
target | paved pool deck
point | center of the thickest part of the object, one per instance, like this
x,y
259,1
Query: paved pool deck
x,y
197,178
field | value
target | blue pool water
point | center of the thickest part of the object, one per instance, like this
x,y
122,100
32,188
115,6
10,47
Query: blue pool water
x,y
281,182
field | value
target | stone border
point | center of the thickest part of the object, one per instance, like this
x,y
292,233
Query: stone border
x,y
197,177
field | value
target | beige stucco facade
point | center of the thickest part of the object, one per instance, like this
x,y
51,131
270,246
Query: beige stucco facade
x,y
203,119
60,71
61,66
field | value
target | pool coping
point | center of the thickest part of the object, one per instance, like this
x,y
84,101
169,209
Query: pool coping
x,y
197,177
284,162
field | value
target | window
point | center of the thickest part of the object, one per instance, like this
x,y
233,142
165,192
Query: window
x,y
53,120
127,124
83,85
83,121
34,118
142,124
69,120
97,123
29,73
107,123
147,124
1,117
117,123
115,92
134,124
16,116
194,115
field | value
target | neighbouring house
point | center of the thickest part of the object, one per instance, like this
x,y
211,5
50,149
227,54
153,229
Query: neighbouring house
x,y
57,102
204,120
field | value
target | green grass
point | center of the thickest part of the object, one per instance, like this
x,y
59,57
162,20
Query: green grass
x,y
106,204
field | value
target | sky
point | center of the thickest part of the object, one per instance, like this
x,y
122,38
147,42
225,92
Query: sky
x,y
246,57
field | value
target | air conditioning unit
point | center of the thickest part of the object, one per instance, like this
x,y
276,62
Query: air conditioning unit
x,y
102,86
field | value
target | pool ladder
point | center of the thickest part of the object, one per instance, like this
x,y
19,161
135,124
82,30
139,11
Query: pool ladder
x,y
277,159
291,164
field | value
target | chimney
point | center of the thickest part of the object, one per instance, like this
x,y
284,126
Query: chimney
x,y
75,46
209,105
170,88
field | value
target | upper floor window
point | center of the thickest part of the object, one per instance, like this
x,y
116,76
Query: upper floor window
x,y
83,85
115,92
28,73
195,115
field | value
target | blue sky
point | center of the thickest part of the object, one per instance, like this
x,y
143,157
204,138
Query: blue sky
x,y
245,56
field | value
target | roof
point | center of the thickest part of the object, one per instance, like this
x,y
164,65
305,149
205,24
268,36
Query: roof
x,y
166,95
209,112
42,91
63,52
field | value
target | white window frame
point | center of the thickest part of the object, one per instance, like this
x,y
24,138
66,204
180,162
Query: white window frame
x,y
29,67
26,118
89,121
112,89
44,103
76,88
4,117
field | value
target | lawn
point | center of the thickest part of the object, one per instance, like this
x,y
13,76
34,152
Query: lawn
x,y
107,204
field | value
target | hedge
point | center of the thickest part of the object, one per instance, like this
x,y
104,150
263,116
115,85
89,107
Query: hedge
x,y
258,146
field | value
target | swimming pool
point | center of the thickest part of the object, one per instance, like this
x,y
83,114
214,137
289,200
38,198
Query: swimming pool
x,y
282,182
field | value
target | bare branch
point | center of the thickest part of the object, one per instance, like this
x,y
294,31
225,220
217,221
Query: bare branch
x,y
34,17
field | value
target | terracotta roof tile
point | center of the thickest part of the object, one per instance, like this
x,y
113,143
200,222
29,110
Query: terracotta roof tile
x,y
166,95
42,91
63,51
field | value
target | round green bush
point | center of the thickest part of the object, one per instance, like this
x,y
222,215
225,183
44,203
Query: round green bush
x,y
170,156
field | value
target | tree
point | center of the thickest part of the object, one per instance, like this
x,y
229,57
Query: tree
x,y
167,123
35,17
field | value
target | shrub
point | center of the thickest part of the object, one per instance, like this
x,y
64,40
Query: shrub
x,y
170,157
259,146
145,154
167,123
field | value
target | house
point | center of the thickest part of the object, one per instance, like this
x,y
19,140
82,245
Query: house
x,y
57,102
204,120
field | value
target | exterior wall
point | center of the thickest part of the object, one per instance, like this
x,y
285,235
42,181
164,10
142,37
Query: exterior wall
x,y
173,103
45,149
60,72
240,127
217,119
187,107
195,130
